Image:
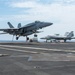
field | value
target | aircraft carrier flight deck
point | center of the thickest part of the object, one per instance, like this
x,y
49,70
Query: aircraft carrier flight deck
x,y
37,58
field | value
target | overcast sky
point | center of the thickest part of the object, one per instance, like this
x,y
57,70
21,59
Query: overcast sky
x,y
60,12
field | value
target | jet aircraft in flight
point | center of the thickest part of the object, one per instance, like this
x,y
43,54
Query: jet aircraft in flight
x,y
68,36
25,30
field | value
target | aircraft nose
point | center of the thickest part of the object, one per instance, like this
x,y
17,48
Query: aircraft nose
x,y
49,24
44,24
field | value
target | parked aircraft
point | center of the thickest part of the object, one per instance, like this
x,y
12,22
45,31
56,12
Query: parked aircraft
x,y
25,30
68,36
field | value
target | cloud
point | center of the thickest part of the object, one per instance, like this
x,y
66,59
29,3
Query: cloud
x,y
59,12
55,12
34,3
24,4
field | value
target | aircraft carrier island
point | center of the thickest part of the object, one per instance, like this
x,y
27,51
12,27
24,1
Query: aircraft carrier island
x,y
37,58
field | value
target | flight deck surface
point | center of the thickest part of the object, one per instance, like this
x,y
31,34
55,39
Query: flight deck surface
x,y
37,58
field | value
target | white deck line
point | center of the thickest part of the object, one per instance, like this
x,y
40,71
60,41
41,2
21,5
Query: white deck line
x,y
37,48
19,50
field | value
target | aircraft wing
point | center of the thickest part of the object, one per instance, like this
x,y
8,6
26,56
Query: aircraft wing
x,y
72,37
9,30
3,33
62,38
59,38
55,37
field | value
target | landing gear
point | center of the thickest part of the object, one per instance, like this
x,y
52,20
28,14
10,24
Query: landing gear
x,y
17,37
27,38
35,35
64,40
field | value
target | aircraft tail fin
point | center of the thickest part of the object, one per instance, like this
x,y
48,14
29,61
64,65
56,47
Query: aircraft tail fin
x,y
19,25
71,34
10,25
67,33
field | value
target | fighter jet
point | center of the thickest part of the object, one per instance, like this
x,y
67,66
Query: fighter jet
x,y
26,30
68,36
